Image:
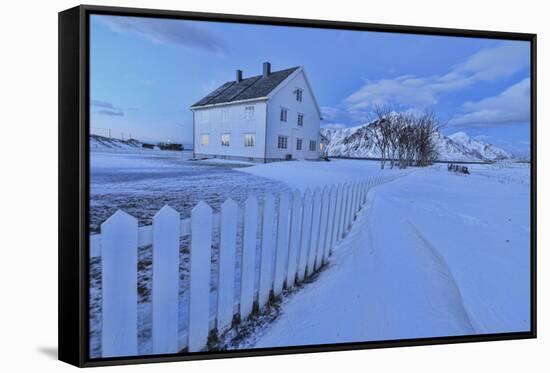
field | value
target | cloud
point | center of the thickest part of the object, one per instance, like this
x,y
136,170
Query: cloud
x,y
482,137
334,126
168,31
420,92
511,106
111,113
107,108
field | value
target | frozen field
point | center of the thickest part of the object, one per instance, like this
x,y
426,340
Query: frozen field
x,y
436,253
140,184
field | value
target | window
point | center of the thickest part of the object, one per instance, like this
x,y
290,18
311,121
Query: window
x,y
300,119
249,140
202,116
225,139
298,144
312,145
284,113
299,94
225,115
204,140
282,142
249,112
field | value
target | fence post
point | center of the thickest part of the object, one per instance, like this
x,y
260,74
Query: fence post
x,y
353,205
266,252
166,259
119,239
330,223
295,235
345,211
306,235
227,258
249,256
316,217
199,276
338,214
282,244
320,260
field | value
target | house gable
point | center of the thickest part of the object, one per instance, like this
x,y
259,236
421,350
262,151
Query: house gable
x,y
289,79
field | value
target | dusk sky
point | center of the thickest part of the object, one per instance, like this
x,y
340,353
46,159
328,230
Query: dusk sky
x,y
147,72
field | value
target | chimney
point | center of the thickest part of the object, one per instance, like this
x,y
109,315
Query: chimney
x,y
239,77
267,69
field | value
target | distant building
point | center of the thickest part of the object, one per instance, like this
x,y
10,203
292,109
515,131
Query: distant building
x,y
268,117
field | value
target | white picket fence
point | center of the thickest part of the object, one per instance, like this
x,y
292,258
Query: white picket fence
x,y
306,227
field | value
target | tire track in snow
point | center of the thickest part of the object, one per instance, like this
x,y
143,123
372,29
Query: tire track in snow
x,y
444,278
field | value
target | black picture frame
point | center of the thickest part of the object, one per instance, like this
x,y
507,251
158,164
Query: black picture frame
x,y
74,177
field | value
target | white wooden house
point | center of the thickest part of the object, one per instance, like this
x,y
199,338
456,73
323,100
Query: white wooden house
x,y
264,118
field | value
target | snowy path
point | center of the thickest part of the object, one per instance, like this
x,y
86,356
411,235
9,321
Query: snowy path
x,y
418,264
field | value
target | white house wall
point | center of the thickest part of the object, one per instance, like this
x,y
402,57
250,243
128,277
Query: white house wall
x,y
286,97
236,125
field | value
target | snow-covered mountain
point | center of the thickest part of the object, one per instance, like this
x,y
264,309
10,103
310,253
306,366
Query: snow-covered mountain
x,y
356,142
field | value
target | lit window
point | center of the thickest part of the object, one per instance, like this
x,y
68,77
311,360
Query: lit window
x,y
300,119
204,140
299,94
284,114
298,144
282,142
225,139
312,145
249,112
249,140
225,115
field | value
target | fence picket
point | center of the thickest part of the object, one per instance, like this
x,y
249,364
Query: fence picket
x,y
199,276
345,210
330,223
227,257
119,235
295,235
338,214
266,256
334,234
282,244
320,260
353,210
249,256
166,251
357,199
316,216
306,235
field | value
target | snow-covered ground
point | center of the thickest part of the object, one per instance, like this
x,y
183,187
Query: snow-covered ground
x,y
141,183
434,254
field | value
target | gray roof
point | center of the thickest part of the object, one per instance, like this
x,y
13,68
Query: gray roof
x,y
246,89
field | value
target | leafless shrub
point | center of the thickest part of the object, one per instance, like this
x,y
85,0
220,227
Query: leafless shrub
x,y
405,139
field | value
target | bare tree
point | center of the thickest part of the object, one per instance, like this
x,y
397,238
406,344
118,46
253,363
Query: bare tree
x,y
405,139
428,126
380,132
